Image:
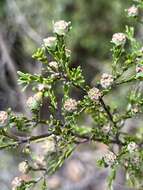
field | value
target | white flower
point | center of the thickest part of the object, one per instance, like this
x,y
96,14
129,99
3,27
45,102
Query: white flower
x,y
33,102
54,65
49,145
68,52
70,104
23,167
109,158
119,39
106,80
16,182
61,27
94,94
132,11
3,118
50,42
132,146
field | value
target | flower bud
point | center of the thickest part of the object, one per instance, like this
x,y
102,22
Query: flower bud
x,y
106,80
119,39
53,65
50,42
3,118
94,94
34,102
61,27
70,104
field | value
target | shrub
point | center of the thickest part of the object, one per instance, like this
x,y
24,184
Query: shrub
x,y
63,133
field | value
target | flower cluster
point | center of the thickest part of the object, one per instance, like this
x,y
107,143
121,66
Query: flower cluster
x,y
50,42
94,94
3,118
70,104
61,27
109,158
119,39
106,80
132,11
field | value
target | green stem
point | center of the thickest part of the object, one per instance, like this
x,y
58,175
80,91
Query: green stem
x,y
133,78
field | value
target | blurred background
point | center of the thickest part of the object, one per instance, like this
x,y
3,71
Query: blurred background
x,y
23,25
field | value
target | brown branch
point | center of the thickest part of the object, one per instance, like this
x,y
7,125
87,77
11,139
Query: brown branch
x,y
24,140
107,111
42,136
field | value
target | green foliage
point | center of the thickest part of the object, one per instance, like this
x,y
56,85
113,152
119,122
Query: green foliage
x,y
40,55
111,178
75,75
